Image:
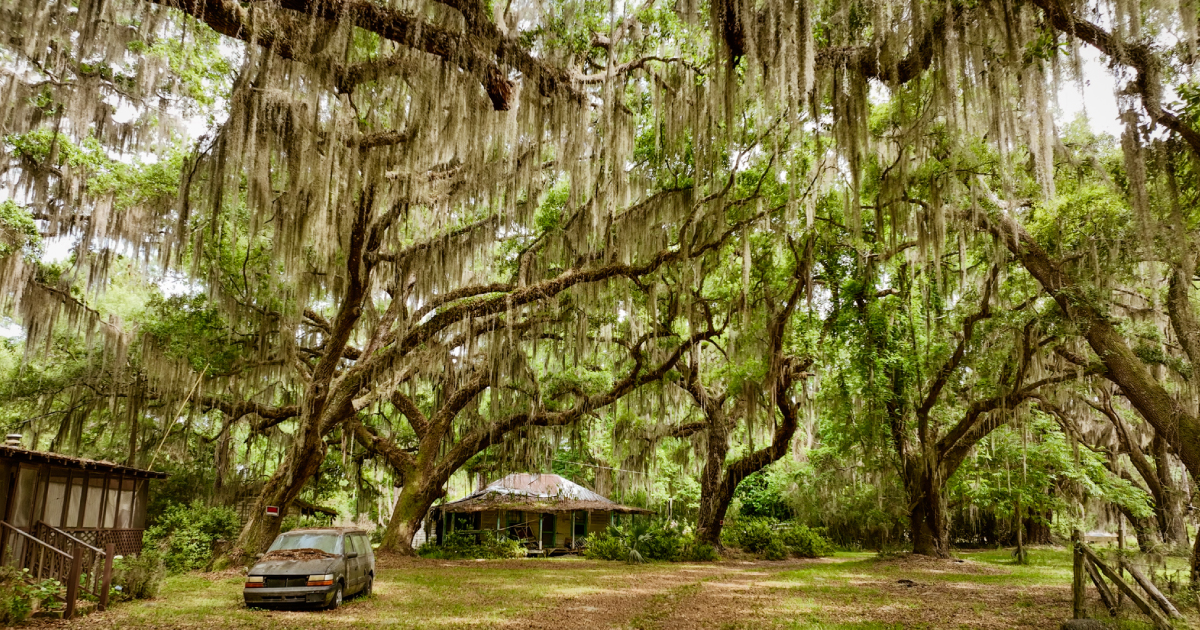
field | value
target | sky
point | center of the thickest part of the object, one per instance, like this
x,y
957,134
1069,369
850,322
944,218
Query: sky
x,y
1096,97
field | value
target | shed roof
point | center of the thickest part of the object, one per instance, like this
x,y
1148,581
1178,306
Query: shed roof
x,y
537,493
79,463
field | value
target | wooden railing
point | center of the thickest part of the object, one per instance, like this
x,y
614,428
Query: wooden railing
x,y
1089,565
96,576
128,541
84,567
46,561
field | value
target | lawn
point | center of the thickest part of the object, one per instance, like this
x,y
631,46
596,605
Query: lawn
x,y
850,590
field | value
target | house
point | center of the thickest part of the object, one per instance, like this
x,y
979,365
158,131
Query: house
x,y
548,512
67,517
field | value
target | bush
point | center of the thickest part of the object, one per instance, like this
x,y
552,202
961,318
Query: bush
x,y
138,577
606,545
775,549
648,540
20,596
770,538
806,542
693,550
464,545
751,535
186,534
656,540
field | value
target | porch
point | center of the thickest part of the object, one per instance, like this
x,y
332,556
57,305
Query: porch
x,y
68,517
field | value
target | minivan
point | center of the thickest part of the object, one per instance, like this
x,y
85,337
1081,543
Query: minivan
x,y
315,566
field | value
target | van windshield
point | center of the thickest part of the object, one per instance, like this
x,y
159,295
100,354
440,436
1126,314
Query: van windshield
x,y
308,540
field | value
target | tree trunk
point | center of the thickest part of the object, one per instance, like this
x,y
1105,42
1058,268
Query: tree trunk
x,y
301,464
1037,531
1143,529
1196,563
927,517
416,497
713,500
930,535
1169,503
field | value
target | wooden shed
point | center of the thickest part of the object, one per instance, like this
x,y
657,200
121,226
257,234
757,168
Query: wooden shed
x,y
549,513
62,514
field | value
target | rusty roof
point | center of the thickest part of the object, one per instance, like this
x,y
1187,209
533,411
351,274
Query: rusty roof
x,y
537,492
80,463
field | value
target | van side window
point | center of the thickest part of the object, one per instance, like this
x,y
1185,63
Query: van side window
x,y
350,546
364,544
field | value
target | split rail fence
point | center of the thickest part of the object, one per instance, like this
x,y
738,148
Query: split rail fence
x,y
1087,563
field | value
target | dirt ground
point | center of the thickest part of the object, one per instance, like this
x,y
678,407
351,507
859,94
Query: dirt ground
x,y
861,591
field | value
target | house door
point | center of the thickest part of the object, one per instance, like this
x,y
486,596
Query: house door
x,y
549,522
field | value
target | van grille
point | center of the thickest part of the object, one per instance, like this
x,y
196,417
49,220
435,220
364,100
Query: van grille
x,y
283,581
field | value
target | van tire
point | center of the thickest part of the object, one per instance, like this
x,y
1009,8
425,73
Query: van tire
x,y
337,598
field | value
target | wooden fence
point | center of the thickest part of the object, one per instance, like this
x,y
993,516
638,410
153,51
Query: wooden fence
x,y
1086,563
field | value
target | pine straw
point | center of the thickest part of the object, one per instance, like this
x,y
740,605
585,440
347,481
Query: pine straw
x,y
297,554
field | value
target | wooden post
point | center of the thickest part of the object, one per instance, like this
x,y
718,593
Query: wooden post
x,y
1160,621
73,581
1106,594
1152,591
109,551
1077,583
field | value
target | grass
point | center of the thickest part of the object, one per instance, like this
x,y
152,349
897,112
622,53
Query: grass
x,y
851,591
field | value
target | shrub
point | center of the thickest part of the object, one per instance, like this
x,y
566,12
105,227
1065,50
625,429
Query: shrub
x,y
658,541
775,549
464,545
648,540
693,550
500,546
806,542
138,577
767,537
20,596
606,545
186,534
749,534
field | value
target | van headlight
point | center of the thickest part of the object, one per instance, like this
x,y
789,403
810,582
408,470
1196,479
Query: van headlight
x,y
321,580
254,581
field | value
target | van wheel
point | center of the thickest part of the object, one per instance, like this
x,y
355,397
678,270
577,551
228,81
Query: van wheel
x,y
366,592
337,598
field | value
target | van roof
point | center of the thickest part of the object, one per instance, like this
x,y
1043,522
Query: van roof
x,y
332,530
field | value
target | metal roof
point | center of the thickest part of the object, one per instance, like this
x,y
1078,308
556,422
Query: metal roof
x,y
536,491
80,463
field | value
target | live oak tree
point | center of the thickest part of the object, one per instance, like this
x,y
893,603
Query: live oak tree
x,y
399,209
